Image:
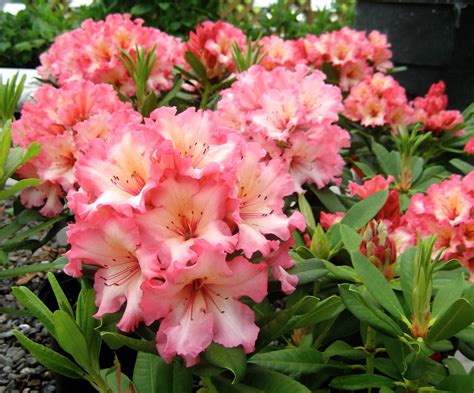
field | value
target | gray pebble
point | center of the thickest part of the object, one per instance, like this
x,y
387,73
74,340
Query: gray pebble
x,y
3,360
49,389
7,369
6,334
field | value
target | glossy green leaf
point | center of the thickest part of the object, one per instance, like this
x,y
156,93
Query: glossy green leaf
x,y
293,361
457,317
366,312
71,339
457,384
447,295
361,381
85,310
320,245
34,267
61,298
308,270
407,272
20,185
272,381
306,211
49,358
196,65
232,359
223,385
152,374
362,212
117,381
118,340
326,309
350,238
344,350
377,285
329,199
36,307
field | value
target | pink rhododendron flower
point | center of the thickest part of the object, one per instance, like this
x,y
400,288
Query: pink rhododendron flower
x,y
64,121
111,243
280,52
212,43
469,148
200,304
188,196
377,101
431,110
290,114
350,52
92,53
446,211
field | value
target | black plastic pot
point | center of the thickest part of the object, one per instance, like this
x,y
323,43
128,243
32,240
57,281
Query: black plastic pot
x,y
432,38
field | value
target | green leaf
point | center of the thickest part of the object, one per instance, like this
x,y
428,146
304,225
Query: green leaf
x,y
345,273
232,359
457,384
457,317
450,292
272,381
455,366
196,65
320,245
117,340
61,298
329,308
407,272
462,165
329,199
117,381
361,381
366,312
71,339
306,211
18,186
85,309
29,300
344,350
308,270
222,385
388,161
362,212
152,374
33,268
49,358
377,285
350,238
295,361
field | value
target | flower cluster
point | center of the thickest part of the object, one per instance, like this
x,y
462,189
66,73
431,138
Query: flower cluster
x,y
93,51
350,52
447,211
172,212
281,53
431,110
378,100
63,121
291,115
212,43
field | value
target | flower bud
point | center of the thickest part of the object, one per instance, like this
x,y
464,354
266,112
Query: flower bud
x,y
379,248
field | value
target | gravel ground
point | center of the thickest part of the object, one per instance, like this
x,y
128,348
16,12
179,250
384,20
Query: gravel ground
x,y
19,371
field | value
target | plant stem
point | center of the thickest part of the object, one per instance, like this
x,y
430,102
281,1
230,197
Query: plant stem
x,y
370,349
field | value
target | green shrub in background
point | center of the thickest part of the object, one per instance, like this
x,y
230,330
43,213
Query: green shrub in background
x,y
24,36
287,20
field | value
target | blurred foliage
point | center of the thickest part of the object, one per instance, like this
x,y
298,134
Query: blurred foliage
x,y
286,19
177,17
24,36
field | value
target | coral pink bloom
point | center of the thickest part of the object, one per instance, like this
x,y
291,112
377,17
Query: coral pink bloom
x,y
376,184
279,52
213,43
200,304
195,135
280,260
329,219
261,187
111,243
47,196
119,172
186,210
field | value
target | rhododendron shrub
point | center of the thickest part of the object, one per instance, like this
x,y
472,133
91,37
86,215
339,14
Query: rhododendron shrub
x,y
192,204
291,114
64,121
93,51
299,216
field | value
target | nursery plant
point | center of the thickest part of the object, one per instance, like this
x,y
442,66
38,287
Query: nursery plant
x,y
247,215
